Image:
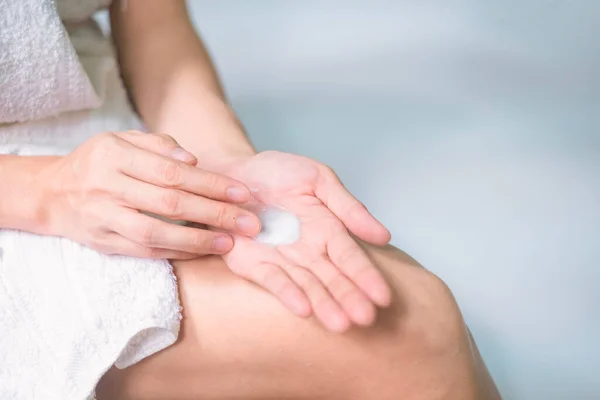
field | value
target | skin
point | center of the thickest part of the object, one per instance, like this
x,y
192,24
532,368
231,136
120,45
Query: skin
x,y
95,195
99,195
179,93
418,345
172,81
326,272
238,342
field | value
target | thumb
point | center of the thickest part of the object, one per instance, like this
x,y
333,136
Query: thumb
x,y
181,154
353,214
164,145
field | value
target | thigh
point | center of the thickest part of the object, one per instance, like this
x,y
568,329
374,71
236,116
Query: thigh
x,y
238,342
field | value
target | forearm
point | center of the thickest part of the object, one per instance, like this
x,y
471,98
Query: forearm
x,y
172,81
21,196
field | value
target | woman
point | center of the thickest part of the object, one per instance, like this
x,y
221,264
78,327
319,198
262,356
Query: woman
x,y
236,341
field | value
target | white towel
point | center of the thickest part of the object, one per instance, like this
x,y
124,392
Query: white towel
x,y
68,313
40,75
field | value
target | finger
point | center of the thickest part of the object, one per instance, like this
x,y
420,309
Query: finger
x,y
355,216
351,259
352,300
123,246
165,172
275,280
164,145
324,307
152,232
179,205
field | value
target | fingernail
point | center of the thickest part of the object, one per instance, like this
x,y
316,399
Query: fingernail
x,y
182,155
223,243
249,225
238,194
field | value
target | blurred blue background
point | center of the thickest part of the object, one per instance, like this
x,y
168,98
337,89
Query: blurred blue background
x,y
471,129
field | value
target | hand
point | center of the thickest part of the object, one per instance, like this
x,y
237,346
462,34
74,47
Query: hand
x,y
96,193
325,272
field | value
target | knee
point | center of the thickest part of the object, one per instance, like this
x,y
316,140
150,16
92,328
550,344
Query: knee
x,y
417,346
428,310
423,306
447,364
422,344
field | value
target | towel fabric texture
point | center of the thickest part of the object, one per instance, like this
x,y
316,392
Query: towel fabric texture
x,y
68,313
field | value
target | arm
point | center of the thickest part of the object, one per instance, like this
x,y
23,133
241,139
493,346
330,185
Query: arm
x,y
93,194
176,91
21,198
172,81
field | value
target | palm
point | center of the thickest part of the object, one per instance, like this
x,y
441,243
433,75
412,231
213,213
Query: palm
x,y
325,271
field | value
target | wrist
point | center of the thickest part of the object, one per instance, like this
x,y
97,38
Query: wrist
x,y
228,141
221,160
24,195
206,126
231,147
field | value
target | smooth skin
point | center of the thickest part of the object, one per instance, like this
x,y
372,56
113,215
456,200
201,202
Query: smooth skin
x,y
94,196
325,272
176,90
97,193
238,342
98,196
101,193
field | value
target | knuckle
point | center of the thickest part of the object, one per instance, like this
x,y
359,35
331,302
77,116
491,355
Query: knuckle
x,y
109,135
200,242
329,170
106,149
171,204
109,139
146,233
222,216
105,139
170,173
211,181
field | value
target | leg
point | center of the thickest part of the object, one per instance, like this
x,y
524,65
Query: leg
x,y
238,342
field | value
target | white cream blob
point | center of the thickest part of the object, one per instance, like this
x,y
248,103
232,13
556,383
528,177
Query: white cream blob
x,y
278,226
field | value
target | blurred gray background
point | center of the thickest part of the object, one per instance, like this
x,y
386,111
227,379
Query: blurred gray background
x,y
471,129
